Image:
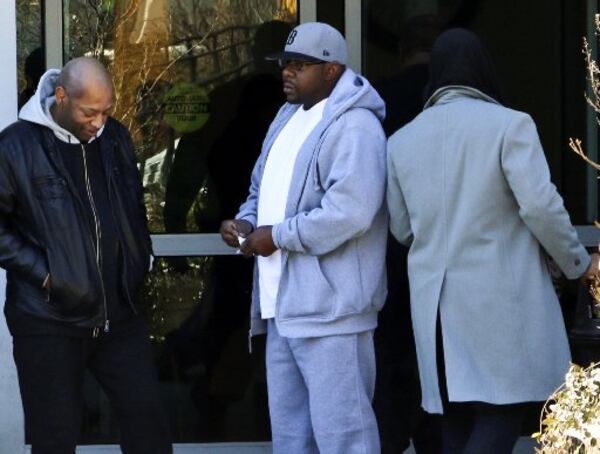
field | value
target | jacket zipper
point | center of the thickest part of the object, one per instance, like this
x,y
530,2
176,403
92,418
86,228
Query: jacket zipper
x,y
90,195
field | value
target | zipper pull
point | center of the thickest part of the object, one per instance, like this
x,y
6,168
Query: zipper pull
x,y
95,332
107,326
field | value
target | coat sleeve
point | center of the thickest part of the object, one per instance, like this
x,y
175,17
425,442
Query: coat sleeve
x,y
17,254
352,168
540,206
399,219
127,149
249,209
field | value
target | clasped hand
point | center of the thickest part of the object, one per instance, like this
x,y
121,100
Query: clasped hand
x,y
257,242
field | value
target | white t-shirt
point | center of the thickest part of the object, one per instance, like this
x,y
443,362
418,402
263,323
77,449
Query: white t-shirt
x,y
274,188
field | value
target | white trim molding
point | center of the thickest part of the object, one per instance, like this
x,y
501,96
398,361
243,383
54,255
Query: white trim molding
x,y
8,75
190,244
353,19
12,426
308,10
188,448
53,33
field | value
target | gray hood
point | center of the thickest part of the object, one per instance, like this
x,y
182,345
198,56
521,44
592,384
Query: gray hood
x,y
353,91
37,109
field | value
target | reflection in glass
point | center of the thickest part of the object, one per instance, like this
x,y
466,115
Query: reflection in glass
x,y
539,76
332,12
213,389
541,73
197,95
397,40
194,90
31,61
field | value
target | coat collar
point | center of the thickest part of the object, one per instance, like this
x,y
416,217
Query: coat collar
x,y
450,93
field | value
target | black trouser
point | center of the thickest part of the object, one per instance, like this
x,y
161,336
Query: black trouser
x,y
51,371
397,391
476,427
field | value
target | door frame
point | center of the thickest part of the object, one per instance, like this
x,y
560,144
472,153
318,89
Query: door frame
x,y
11,418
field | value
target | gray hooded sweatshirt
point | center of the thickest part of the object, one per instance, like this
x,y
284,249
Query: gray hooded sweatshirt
x,y
333,238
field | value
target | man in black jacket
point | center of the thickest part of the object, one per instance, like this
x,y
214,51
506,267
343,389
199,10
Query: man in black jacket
x,y
76,248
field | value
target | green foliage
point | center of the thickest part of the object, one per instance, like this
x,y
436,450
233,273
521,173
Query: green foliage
x,y
173,290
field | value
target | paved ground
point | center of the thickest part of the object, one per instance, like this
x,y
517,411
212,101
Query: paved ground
x,y
525,445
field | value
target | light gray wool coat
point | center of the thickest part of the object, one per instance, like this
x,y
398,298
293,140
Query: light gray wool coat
x,y
469,190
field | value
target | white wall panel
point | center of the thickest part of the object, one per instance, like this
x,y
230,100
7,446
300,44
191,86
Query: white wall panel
x,y
11,414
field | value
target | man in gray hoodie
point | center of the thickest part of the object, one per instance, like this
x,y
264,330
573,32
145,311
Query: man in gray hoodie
x,y
316,222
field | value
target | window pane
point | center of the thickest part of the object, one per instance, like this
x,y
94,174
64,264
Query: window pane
x,y
332,13
195,91
30,49
213,389
543,73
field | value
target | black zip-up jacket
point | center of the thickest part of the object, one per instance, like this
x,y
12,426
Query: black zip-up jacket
x,y
44,228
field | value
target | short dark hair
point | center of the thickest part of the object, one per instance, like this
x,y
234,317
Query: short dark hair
x,y
77,72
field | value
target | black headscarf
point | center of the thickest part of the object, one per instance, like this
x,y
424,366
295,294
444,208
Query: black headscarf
x,y
459,58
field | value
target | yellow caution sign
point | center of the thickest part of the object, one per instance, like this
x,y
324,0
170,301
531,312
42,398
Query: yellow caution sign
x,y
187,107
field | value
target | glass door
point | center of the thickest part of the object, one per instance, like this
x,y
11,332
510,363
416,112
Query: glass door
x,y
542,74
195,92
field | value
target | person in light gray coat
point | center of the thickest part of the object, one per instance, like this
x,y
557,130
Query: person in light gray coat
x,y
469,191
316,220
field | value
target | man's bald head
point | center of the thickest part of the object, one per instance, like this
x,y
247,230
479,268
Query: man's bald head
x,y
84,98
83,74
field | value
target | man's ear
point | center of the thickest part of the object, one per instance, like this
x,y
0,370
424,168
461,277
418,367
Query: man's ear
x,y
333,71
61,95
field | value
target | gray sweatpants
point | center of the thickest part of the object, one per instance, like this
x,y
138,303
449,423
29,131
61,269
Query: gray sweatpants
x,y
320,392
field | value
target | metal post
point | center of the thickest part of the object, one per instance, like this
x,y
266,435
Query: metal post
x,y
53,33
308,11
353,12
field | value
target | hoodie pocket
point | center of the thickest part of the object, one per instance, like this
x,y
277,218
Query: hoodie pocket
x,y
315,169
305,290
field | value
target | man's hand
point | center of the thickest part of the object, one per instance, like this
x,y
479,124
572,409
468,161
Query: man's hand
x,y
594,268
259,242
231,229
